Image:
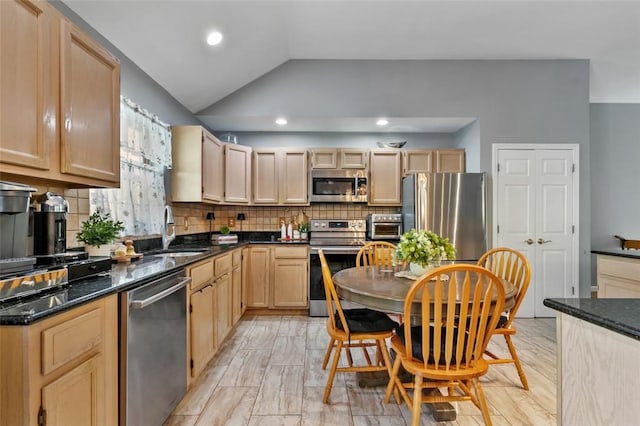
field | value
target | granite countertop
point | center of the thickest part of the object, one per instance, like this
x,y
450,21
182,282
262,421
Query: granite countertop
x,y
122,277
618,315
632,254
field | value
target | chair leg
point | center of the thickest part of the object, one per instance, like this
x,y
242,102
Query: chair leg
x,y
416,405
484,408
516,361
332,373
328,354
392,381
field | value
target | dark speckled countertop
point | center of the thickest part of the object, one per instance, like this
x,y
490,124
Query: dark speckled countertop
x,y
122,277
632,254
618,315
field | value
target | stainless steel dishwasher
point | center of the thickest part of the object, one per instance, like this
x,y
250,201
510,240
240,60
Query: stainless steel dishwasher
x,y
153,361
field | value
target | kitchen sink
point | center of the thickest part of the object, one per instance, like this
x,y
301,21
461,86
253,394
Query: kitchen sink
x,y
172,253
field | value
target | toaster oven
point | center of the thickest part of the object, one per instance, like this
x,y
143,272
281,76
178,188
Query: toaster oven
x,y
386,227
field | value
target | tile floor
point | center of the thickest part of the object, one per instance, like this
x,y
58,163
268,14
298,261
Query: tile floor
x,y
268,373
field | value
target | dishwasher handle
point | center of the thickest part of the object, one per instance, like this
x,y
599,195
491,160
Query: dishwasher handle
x,y
141,304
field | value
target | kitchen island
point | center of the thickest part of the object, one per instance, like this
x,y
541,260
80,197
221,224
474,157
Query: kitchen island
x,y
618,273
598,369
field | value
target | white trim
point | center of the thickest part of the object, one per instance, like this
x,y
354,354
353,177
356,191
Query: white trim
x,y
575,148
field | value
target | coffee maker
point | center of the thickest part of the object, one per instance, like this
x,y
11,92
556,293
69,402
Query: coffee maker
x,y
14,219
50,225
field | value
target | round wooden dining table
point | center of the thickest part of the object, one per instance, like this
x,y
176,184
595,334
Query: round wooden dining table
x,y
379,288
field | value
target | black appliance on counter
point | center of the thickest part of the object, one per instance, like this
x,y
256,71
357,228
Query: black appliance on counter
x,y
340,241
14,223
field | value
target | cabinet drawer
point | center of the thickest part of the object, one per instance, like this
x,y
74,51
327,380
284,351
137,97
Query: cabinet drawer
x,y
222,264
290,252
201,273
619,267
237,258
71,339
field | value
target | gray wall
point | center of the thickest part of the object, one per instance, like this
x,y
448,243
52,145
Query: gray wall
x,y
135,84
615,162
524,101
339,139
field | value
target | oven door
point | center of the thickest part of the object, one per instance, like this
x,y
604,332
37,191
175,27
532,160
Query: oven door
x,y
385,231
337,260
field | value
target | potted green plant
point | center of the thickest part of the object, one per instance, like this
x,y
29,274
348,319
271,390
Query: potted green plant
x,y
303,228
423,250
99,232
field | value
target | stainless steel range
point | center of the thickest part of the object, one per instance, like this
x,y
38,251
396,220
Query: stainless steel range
x,y
340,241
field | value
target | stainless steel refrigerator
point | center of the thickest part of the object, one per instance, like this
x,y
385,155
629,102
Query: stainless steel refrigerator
x,y
453,205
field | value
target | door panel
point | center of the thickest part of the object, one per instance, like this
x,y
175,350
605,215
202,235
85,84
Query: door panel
x,y
535,214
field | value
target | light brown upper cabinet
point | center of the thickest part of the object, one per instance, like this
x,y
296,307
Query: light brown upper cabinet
x,y
449,160
280,176
59,100
336,158
432,160
198,160
385,178
237,174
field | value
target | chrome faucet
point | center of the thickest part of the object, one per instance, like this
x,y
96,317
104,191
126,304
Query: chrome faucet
x,y
168,222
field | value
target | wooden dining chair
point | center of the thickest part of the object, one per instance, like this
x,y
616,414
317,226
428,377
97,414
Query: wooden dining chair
x,y
378,253
353,328
444,352
513,266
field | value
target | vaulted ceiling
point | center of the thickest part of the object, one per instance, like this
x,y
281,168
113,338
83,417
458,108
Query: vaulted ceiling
x,y
166,39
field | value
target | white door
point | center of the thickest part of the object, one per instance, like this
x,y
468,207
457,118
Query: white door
x,y
535,212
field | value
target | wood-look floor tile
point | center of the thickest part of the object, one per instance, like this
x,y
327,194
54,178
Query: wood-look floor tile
x,y
379,420
175,420
228,406
288,350
194,401
370,401
281,391
518,407
246,369
293,326
315,412
261,336
275,421
317,337
314,375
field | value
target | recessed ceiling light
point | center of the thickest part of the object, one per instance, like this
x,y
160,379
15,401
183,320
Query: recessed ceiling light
x,y
214,38
382,122
281,121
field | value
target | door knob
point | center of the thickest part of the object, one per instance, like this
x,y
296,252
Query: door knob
x,y
541,241
529,241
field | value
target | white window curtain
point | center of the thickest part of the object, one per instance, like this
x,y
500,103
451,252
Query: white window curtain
x,y
145,154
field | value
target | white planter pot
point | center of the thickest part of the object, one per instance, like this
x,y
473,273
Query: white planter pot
x,y
102,251
419,270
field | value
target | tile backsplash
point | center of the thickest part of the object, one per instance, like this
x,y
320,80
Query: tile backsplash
x,y
190,218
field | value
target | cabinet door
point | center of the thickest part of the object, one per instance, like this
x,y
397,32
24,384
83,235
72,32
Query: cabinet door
x,y
77,397
202,333
324,159
353,159
385,181
265,176
212,168
28,78
290,283
236,289
223,307
417,161
237,180
90,107
294,179
244,278
449,160
258,277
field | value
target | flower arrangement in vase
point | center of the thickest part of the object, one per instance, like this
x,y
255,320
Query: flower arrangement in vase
x,y
423,250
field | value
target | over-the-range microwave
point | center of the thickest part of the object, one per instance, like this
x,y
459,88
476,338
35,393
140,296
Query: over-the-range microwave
x,y
338,186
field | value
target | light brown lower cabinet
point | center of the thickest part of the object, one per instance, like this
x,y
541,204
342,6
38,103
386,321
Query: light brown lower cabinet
x,y
63,369
278,277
